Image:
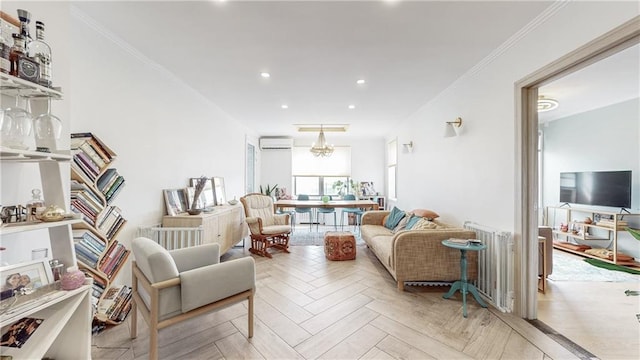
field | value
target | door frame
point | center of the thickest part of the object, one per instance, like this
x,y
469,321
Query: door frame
x,y
526,126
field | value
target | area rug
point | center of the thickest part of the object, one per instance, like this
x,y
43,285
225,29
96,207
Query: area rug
x,y
302,236
567,267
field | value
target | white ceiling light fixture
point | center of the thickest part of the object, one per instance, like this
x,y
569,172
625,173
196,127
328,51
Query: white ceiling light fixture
x,y
265,75
284,106
320,147
351,107
546,104
360,82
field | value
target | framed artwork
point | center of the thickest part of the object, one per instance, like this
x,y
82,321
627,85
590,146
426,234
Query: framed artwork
x,y
218,190
367,188
26,275
208,197
175,200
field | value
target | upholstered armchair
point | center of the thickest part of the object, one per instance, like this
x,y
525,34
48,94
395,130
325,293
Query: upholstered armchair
x,y
267,228
172,286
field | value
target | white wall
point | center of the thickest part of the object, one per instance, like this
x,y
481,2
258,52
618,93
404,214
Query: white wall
x,y
604,139
162,130
472,176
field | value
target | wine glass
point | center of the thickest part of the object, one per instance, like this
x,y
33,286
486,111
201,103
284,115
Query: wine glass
x,y
47,129
19,125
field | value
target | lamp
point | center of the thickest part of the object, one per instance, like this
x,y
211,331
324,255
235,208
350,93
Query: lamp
x,y
408,147
450,126
545,104
321,149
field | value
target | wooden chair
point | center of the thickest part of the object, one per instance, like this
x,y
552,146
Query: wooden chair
x,y
172,286
267,228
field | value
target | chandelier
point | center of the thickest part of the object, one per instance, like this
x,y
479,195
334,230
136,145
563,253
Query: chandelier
x,y
320,147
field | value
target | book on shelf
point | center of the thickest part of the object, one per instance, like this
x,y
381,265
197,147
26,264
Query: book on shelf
x,y
106,179
19,332
89,238
115,302
90,150
98,146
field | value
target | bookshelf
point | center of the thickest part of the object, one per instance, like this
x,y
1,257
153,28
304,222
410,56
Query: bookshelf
x,y
94,186
66,328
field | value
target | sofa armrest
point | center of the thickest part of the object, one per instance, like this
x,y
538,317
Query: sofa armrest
x,y
420,252
374,217
255,225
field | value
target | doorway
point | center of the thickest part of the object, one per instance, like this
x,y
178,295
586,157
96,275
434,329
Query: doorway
x,y
530,204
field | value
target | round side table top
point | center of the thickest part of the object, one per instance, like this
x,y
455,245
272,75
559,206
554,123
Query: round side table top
x,y
464,244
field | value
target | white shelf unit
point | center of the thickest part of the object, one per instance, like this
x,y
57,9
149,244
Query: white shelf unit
x,y
62,333
574,218
66,331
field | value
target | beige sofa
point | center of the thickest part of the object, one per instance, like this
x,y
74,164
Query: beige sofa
x,y
417,255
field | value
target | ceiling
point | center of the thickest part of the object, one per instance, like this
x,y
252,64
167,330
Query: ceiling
x,y
407,51
609,81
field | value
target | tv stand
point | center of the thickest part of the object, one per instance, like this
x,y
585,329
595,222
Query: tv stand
x,y
624,210
605,226
565,204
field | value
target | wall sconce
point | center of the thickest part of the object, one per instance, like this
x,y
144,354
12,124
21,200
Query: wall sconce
x,y
408,147
450,127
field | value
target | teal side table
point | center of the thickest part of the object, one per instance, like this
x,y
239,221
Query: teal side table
x,y
463,285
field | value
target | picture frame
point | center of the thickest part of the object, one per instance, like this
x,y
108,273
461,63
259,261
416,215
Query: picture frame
x,y
28,275
367,189
218,190
207,197
175,201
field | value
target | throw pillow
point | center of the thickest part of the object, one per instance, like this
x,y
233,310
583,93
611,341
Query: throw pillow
x,y
403,223
394,218
425,213
412,222
424,224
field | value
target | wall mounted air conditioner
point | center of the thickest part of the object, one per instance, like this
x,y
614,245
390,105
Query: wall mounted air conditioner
x,y
272,143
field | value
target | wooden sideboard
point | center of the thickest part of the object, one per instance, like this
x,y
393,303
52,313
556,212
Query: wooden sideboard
x,y
225,225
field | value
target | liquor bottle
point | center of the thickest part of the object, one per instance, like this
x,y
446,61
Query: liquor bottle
x,y
21,65
5,50
40,51
25,19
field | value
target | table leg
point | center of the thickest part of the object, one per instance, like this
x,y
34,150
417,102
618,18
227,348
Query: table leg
x,y
455,287
474,291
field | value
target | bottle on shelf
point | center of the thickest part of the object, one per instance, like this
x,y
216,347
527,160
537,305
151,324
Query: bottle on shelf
x,y
25,19
40,51
35,206
5,48
20,64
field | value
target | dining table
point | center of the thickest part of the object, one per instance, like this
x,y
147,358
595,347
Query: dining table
x,y
363,204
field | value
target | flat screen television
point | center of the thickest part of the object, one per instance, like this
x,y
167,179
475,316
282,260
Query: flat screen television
x,y
604,188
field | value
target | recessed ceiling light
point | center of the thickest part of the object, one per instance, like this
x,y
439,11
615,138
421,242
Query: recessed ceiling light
x,y
325,127
351,107
265,75
284,106
360,81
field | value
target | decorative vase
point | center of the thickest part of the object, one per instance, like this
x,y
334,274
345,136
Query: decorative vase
x,y
72,279
325,199
194,211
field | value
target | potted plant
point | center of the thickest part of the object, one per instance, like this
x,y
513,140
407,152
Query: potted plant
x,y
200,184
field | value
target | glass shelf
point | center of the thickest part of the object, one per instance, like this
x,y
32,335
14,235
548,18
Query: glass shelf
x,y
11,85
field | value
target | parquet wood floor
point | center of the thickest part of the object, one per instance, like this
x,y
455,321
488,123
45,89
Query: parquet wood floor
x,y
307,307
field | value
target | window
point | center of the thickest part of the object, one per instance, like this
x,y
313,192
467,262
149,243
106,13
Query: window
x,y
316,176
392,160
321,185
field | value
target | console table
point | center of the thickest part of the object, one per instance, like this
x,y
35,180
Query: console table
x,y
462,284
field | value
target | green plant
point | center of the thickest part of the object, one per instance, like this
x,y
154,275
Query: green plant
x,y
339,186
269,191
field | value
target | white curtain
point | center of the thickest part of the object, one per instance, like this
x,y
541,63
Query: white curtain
x,y
305,164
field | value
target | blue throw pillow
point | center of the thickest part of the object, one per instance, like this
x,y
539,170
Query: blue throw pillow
x,y
394,218
412,221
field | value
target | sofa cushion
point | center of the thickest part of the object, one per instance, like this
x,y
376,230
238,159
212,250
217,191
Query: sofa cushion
x,y
425,224
394,218
402,224
429,214
412,222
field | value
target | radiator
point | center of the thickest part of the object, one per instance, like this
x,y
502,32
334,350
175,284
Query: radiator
x,y
173,237
495,265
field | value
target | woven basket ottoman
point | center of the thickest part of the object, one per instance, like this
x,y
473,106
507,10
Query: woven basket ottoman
x,y
339,245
